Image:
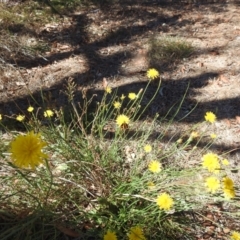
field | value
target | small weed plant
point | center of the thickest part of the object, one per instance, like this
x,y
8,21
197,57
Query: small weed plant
x,y
103,174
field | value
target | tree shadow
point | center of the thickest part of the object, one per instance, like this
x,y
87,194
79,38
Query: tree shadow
x,y
79,39
102,66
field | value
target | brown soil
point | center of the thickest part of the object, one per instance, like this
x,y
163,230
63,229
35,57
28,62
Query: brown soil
x,y
111,43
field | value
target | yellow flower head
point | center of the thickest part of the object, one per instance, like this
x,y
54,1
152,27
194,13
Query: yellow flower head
x,y
132,96
108,90
122,120
30,109
20,118
229,193
136,233
225,162
122,97
154,166
152,73
210,117
212,184
48,113
26,151
110,236
147,148
179,141
211,162
213,135
151,185
235,235
117,105
0,117
228,183
194,134
164,201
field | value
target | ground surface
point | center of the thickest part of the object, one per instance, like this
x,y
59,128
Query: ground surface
x,y
111,43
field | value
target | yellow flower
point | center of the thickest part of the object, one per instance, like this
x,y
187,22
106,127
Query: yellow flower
x,y
152,73
154,166
228,188
122,120
0,116
122,97
194,134
30,109
213,184
210,117
26,151
213,135
147,148
225,162
164,201
108,90
151,185
228,183
20,118
179,141
132,96
229,193
110,236
235,235
210,161
48,113
136,233
117,105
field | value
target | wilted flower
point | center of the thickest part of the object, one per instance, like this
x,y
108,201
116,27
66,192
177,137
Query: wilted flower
x,y
228,183
228,188
179,141
151,185
194,134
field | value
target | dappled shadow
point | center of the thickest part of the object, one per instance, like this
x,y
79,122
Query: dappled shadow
x,y
164,100
130,23
127,13
176,93
76,37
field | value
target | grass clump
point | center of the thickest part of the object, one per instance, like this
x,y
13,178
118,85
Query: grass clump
x,y
85,179
166,50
